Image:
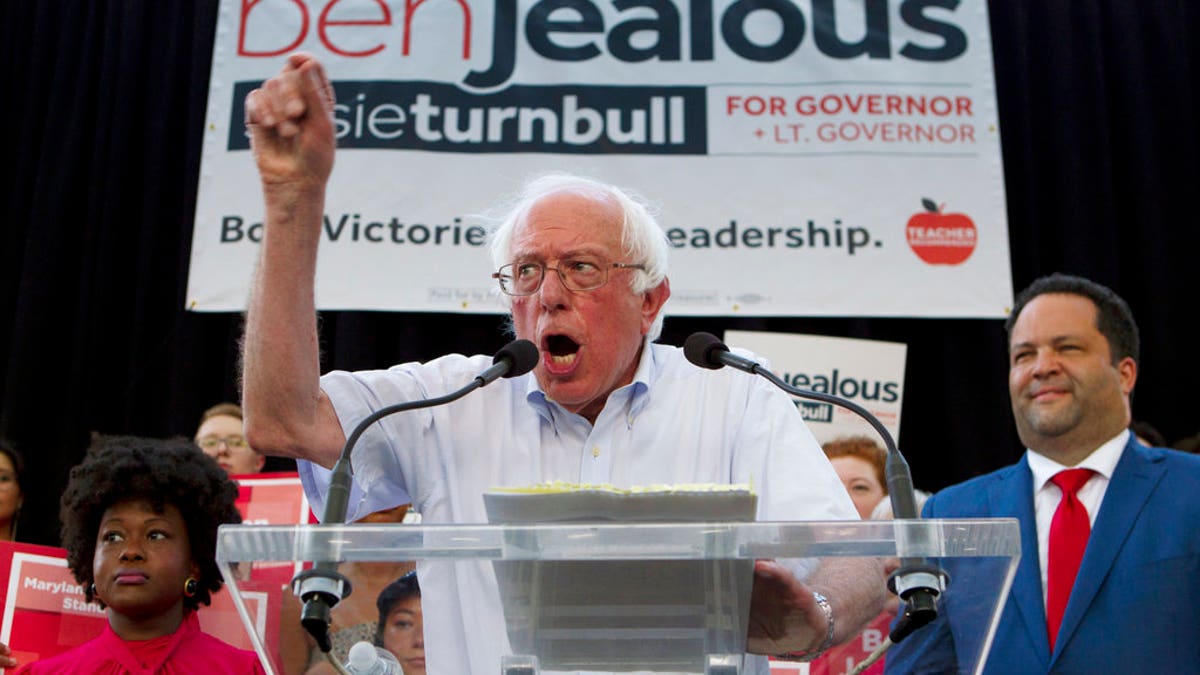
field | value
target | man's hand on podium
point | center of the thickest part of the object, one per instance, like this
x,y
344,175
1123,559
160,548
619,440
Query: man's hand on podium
x,y
790,617
784,614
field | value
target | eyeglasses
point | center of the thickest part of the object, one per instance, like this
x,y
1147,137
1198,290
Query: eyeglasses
x,y
576,274
231,442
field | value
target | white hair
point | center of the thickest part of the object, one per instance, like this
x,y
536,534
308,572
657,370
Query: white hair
x,y
642,238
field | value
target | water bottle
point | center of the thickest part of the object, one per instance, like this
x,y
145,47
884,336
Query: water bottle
x,y
367,659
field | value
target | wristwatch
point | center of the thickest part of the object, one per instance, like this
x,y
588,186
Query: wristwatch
x,y
812,654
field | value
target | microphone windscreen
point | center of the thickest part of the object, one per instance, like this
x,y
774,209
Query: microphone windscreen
x,y
699,348
522,354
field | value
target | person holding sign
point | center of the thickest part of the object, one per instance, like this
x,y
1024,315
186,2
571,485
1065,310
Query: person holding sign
x,y
140,521
11,493
220,436
859,462
584,266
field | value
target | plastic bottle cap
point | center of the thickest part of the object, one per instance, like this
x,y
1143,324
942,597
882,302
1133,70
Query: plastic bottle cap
x,y
362,656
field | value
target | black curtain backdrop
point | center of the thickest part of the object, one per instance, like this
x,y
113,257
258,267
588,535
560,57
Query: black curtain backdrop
x,y
104,111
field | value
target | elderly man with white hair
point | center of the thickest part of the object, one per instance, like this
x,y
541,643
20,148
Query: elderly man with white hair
x,y
584,265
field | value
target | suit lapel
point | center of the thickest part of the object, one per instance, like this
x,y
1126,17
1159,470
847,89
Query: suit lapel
x,y
1012,495
1136,475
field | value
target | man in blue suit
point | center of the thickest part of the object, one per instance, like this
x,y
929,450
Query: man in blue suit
x,y
1134,603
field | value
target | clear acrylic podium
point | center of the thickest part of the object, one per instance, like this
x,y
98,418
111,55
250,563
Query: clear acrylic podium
x,y
662,597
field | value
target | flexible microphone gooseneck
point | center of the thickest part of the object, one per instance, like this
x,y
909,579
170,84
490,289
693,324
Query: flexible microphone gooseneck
x,y
322,587
917,582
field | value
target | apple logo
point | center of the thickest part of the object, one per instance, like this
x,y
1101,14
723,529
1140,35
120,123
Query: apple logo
x,y
940,238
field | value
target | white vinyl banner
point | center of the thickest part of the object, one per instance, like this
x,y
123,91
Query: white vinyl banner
x,y
805,157
869,373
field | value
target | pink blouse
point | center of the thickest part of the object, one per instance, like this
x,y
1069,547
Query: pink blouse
x,y
187,651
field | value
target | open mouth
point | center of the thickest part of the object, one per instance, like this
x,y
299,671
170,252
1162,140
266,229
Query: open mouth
x,y
562,349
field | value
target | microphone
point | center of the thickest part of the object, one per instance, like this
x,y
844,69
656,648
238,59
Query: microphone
x,y
322,587
917,582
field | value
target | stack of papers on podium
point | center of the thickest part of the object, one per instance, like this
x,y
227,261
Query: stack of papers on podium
x,y
559,502
640,613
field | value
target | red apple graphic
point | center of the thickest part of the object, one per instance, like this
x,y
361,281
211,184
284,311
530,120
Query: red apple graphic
x,y
940,238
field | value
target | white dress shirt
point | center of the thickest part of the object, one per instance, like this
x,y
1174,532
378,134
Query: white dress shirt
x,y
1047,495
675,423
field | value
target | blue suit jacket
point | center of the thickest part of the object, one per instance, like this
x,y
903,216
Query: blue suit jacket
x,y
1135,607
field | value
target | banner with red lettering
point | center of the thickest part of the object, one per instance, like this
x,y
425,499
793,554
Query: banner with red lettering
x,y
806,157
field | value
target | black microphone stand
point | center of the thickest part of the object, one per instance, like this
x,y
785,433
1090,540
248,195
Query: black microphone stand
x,y
916,581
323,587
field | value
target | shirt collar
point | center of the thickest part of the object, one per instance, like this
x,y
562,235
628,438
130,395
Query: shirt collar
x,y
1103,461
155,651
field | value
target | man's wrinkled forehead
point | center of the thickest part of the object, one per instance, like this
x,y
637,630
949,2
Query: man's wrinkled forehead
x,y
579,220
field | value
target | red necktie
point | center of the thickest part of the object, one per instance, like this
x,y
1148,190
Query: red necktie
x,y
1069,532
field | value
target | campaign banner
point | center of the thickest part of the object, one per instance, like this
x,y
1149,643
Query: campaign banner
x,y
805,157
43,610
869,373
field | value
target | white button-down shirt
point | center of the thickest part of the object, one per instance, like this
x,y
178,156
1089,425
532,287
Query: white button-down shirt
x,y
1047,495
675,423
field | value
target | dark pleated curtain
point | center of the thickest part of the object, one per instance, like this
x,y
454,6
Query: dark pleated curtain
x,y
103,110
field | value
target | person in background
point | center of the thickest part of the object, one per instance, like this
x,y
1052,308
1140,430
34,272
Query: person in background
x,y
401,628
12,494
1189,444
1148,434
1110,529
859,462
140,521
352,620
221,437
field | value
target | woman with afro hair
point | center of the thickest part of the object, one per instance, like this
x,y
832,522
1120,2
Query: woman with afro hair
x,y
140,521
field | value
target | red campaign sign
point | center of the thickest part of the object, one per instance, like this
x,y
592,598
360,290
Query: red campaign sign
x,y
844,657
44,611
262,600
43,608
272,499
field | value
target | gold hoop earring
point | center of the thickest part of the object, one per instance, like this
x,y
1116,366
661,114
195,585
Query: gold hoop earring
x,y
190,586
